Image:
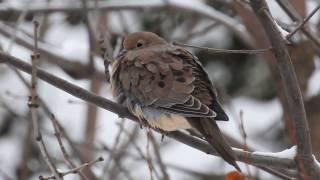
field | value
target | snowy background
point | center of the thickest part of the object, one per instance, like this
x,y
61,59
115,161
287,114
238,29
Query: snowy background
x,y
245,85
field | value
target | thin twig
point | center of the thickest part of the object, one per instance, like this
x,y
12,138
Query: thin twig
x,y
114,148
58,129
56,126
291,89
148,156
34,104
74,170
295,16
225,51
144,157
119,154
156,149
95,84
65,154
14,95
203,31
18,22
300,26
244,136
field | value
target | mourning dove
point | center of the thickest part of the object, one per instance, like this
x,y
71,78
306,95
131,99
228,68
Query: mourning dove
x,y
166,87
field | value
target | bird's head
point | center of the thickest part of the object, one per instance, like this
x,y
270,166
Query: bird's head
x,y
141,40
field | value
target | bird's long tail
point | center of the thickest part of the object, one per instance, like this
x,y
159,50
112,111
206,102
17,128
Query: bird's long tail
x,y
212,134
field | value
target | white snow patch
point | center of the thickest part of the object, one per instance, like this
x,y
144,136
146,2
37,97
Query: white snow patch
x,y
288,153
278,13
9,160
283,32
257,116
69,41
316,161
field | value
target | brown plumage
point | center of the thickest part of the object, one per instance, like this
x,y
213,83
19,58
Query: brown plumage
x,y
167,87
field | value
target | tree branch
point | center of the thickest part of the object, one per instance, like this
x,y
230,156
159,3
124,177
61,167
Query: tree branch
x,y
74,170
72,67
301,25
295,16
291,89
33,104
225,51
151,5
196,143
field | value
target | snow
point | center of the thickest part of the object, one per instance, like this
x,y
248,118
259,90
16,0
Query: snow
x,y
257,116
278,13
283,32
9,161
316,161
287,153
71,39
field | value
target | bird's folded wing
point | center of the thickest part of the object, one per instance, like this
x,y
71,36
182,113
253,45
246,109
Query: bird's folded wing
x,y
159,79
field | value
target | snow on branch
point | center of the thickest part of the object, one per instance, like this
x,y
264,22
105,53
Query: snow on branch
x,y
283,32
287,153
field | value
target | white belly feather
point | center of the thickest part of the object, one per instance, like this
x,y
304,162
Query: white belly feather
x,y
163,120
170,123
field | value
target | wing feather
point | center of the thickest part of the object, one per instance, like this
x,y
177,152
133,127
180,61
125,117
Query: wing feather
x,y
162,80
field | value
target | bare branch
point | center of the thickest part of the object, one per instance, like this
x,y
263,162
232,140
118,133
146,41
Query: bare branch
x,y
151,5
58,129
148,157
226,51
74,170
34,104
244,137
95,84
156,148
65,154
145,157
295,16
291,88
113,149
119,153
72,67
300,26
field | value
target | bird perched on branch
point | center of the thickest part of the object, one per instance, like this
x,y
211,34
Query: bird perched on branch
x,y
166,87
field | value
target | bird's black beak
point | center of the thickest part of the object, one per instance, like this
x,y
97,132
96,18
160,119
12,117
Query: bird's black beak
x,y
122,52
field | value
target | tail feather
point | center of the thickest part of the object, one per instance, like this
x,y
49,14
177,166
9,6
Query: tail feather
x,y
211,132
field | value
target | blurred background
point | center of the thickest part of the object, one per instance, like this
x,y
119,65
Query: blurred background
x,y
69,35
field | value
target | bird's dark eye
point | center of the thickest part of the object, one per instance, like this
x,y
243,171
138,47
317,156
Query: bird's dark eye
x,y
140,43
